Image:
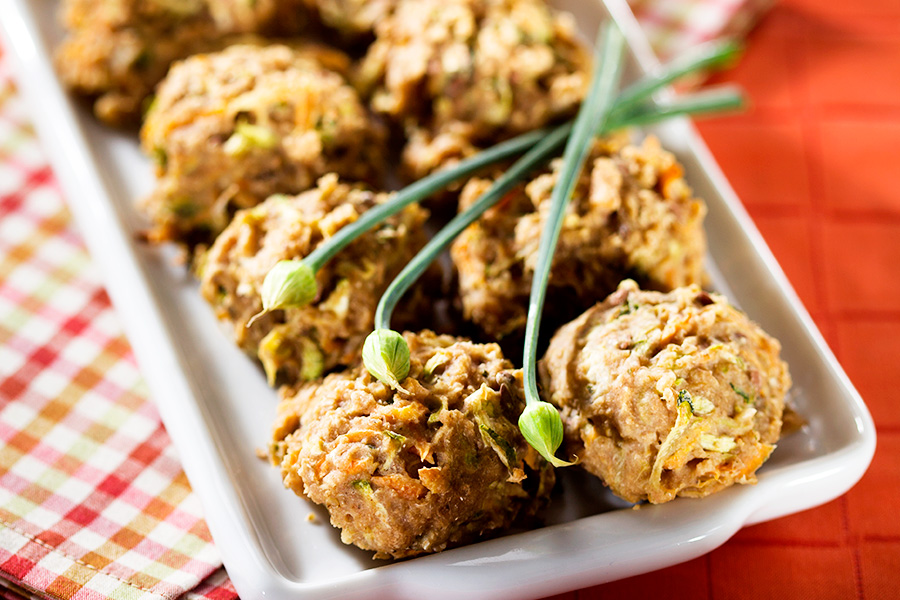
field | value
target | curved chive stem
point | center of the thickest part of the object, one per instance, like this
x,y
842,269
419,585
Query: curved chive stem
x,y
706,56
711,55
626,111
414,269
542,427
420,190
713,100
383,356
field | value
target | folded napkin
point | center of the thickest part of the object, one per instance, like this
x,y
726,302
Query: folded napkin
x,y
93,501
673,26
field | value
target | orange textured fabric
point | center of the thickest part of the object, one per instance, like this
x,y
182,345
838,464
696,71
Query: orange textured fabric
x,y
814,162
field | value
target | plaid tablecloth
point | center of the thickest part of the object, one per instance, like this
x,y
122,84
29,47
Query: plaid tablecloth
x,y
93,503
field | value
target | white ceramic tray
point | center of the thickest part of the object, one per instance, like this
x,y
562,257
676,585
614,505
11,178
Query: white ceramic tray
x,y
217,408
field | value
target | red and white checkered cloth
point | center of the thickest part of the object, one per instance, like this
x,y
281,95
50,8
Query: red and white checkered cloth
x,y
93,501
674,26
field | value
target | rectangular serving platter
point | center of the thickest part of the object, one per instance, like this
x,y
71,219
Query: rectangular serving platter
x,y
217,408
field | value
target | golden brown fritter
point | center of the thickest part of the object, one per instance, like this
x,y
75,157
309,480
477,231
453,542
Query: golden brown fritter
x,y
303,343
631,215
459,75
229,129
665,395
436,464
117,50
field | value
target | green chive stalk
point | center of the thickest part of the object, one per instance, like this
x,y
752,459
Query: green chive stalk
x,y
707,56
706,102
293,283
383,346
699,103
540,422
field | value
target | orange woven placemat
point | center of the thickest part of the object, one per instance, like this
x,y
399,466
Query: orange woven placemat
x,y
814,163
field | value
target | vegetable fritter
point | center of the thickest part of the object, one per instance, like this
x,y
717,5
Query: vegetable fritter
x,y
434,464
303,343
117,50
632,215
459,75
230,128
667,394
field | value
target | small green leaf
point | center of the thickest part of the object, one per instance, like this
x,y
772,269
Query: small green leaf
x,y
289,284
386,357
542,427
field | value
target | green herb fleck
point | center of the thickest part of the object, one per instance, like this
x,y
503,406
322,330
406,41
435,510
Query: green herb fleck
x,y
629,307
143,60
401,439
312,362
184,208
247,136
508,451
160,157
741,393
363,486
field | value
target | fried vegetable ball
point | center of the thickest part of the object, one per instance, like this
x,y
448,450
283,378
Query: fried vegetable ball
x,y
667,394
631,215
117,50
231,128
403,472
463,74
303,343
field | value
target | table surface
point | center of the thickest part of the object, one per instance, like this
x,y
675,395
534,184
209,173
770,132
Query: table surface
x,y
812,161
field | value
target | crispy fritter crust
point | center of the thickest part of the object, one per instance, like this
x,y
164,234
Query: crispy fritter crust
x,y
462,74
308,120
632,215
406,472
303,343
666,395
